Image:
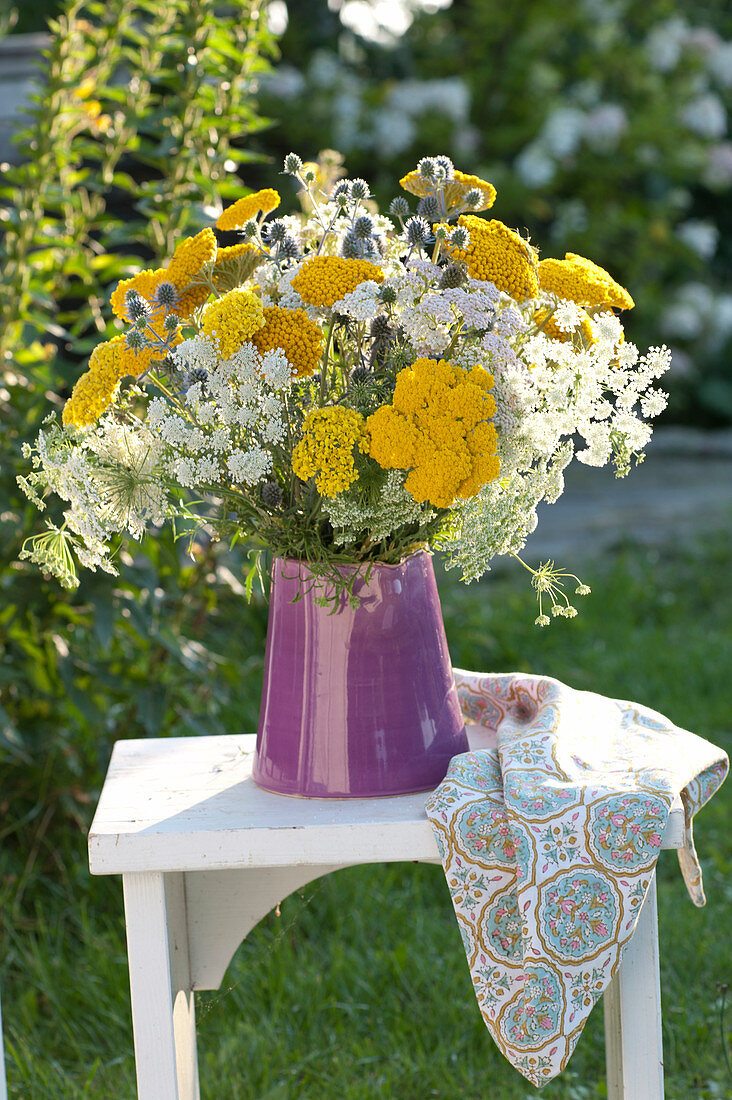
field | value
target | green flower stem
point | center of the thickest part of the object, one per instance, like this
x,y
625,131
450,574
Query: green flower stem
x,y
326,356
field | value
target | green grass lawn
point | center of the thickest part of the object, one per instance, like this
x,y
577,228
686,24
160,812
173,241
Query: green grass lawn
x,y
359,987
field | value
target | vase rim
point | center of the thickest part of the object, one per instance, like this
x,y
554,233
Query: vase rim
x,y
354,566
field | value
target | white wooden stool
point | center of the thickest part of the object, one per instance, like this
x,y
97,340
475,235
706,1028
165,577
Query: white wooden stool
x,y
204,854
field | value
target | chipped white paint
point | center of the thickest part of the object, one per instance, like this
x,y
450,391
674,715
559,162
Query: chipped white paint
x,y
205,854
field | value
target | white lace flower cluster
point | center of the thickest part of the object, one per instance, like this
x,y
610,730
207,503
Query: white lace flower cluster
x,y
381,515
228,421
113,481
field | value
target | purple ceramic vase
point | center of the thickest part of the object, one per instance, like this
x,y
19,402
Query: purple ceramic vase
x,y
360,702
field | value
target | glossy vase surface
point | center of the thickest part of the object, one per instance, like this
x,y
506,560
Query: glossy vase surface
x,y
360,702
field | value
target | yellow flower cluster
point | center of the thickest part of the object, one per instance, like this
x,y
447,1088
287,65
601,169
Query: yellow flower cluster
x,y
498,255
92,395
324,279
92,108
326,448
454,190
551,329
292,331
437,427
188,259
234,265
226,255
243,210
232,319
582,282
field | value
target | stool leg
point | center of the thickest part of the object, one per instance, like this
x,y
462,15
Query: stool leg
x,y
162,1000
633,1045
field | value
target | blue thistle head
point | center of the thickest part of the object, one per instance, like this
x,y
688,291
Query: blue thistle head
x,y
445,168
427,168
460,237
166,295
399,207
274,232
363,226
360,189
136,307
293,164
429,208
417,231
289,248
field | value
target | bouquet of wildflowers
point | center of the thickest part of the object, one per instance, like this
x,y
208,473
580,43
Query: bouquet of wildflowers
x,y
344,387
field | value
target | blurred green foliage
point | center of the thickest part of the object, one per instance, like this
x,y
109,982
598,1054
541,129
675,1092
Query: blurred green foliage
x,y
602,124
145,113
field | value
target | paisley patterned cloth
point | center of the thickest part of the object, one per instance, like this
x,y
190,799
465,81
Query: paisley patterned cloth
x,y
549,838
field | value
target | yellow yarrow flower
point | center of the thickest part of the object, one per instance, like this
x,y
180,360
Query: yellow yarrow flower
x,y
583,282
188,260
325,451
322,280
92,395
234,265
243,210
454,190
498,255
225,255
291,330
437,427
232,319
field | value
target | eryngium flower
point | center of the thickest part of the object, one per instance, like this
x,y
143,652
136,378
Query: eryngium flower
x,y
271,494
136,306
166,295
417,231
399,207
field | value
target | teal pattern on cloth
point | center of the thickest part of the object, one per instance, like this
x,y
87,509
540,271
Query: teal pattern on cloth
x,y
549,838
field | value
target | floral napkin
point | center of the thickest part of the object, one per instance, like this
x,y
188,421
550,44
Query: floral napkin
x,y
549,838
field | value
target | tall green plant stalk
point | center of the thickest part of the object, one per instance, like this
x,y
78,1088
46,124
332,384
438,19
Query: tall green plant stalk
x,y
134,135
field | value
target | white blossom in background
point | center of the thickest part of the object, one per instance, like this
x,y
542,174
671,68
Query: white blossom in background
x,y
449,97
719,64
324,70
563,131
604,126
285,82
701,236
665,44
705,115
394,131
535,166
717,172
